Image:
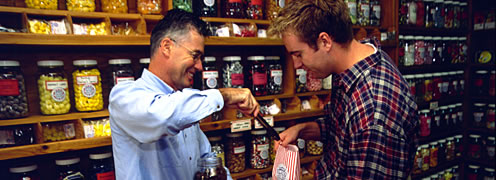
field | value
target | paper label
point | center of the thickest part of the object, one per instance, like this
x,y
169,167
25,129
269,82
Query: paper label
x,y
433,105
269,119
51,85
105,176
238,150
69,130
240,125
6,137
237,79
81,80
123,79
9,87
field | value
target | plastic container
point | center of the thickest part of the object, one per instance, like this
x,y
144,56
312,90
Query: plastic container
x,y
448,14
210,168
480,82
437,83
13,95
301,80
417,165
425,123
450,148
412,13
428,87
114,6
433,154
234,9
24,172
490,144
53,88
218,148
429,50
235,152
439,17
435,120
58,131
275,75
420,14
81,5
327,82
69,168
458,145
488,173
149,6
259,153
254,9
210,74
121,71
258,75
16,135
419,56
473,172
102,166
42,4
479,114
232,73
474,147
87,84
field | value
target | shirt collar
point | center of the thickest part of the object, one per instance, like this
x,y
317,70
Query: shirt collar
x,y
151,78
349,76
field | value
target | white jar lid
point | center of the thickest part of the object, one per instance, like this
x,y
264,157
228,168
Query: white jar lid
x,y
433,143
443,107
459,136
463,3
481,72
437,38
409,76
419,37
256,58
428,38
479,104
409,37
233,135
491,138
436,74
462,38
438,1
23,169
450,138
425,146
452,73
63,162
455,2
9,63
209,59
101,156
119,61
144,60
473,167
448,2
459,72
458,104
446,38
424,111
452,106
428,75
214,138
84,62
441,141
474,136
454,38
489,169
50,63
491,105
280,129
401,37
444,73
272,58
259,132
232,58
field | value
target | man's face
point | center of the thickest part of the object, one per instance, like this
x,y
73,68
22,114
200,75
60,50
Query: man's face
x,y
185,60
306,57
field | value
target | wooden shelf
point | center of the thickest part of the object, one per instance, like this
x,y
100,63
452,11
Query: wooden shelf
x,y
439,167
251,172
432,68
53,147
242,41
234,20
226,124
271,97
484,163
322,92
54,118
437,135
409,30
481,131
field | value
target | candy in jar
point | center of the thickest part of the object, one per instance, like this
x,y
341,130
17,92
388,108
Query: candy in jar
x,y
352,7
273,7
232,73
254,9
205,8
274,84
87,84
258,75
114,6
53,88
149,6
42,4
313,83
363,12
235,152
14,103
81,5
234,9
301,80
259,155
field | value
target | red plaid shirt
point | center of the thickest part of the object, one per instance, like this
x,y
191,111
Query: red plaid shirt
x,y
371,126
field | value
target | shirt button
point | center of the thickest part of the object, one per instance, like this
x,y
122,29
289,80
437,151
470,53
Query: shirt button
x,y
189,158
218,107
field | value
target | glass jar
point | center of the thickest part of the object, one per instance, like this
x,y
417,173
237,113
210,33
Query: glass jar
x,y
459,114
472,172
186,5
420,13
313,84
417,165
314,147
439,17
258,75
210,74
409,50
490,144
419,85
453,82
454,50
363,12
450,148
455,172
441,152
235,152
412,13
436,120
437,82
444,113
232,73
69,168
210,168
479,114
13,95
273,7
474,147
149,6
81,5
375,15
301,146
259,154
448,14
16,135
234,9
430,13
114,6
144,63
429,50
463,15
419,50
458,145
446,83
53,88
272,144
433,154
401,51
28,172
274,84
425,123
121,71
456,14
446,54
205,8
488,173
425,157
42,4
492,83
301,80
87,84
447,117
403,12
453,115
254,9
490,116
437,50
102,166
428,87
218,148
461,82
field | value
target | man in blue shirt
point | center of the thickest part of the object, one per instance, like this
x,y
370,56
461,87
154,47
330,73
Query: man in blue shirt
x,y
154,120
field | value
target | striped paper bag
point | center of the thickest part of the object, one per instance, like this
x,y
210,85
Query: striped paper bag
x,y
287,164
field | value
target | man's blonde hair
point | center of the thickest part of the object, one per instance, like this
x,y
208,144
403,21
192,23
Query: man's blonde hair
x,y
308,18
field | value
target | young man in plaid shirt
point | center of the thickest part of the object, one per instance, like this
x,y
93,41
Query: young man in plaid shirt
x,y
371,124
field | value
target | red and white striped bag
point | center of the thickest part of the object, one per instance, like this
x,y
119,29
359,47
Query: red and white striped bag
x,y
286,164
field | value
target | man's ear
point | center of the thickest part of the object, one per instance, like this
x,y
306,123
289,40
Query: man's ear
x,y
165,46
325,41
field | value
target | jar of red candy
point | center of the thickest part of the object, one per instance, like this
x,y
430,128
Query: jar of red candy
x,y
429,50
258,75
420,13
419,50
448,14
492,83
474,148
437,83
259,149
425,123
254,9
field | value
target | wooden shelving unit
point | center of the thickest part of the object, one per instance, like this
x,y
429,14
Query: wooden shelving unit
x,y
249,172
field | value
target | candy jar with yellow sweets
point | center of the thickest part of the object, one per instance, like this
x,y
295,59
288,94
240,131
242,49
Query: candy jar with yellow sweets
x,y
81,5
87,83
149,6
53,87
114,6
42,4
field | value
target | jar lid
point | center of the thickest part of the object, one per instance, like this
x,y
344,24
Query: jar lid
x,y
209,59
233,135
458,104
474,136
429,0
401,37
23,169
419,37
493,72
455,2
50,63
454,38
450,138
120,61
434,176
492,105
425,111
479,104
272,58
489,169
446,38
409,37
463,38
436,38
433,143
428,38
428,75
452,106
452,73
84,62
444,73
448,2
409,76
279,129
256,58
232,58
144,60
459,72
436,74
419,76
424,146
438,1
443,107
491,138
9,63
214,138
459,136
463,3
101,156
441,141
481,72
63,162
259,132
473,167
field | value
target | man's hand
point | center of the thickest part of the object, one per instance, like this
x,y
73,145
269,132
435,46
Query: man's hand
x,y
242,99
307,130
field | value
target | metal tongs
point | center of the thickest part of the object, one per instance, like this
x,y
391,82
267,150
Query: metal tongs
x,y
272,132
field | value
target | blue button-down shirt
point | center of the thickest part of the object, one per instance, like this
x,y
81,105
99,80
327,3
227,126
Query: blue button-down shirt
x,y
155,130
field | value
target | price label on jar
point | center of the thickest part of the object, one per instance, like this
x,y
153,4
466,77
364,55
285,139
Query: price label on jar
x,y
433,105
241,125
269,119
81,80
